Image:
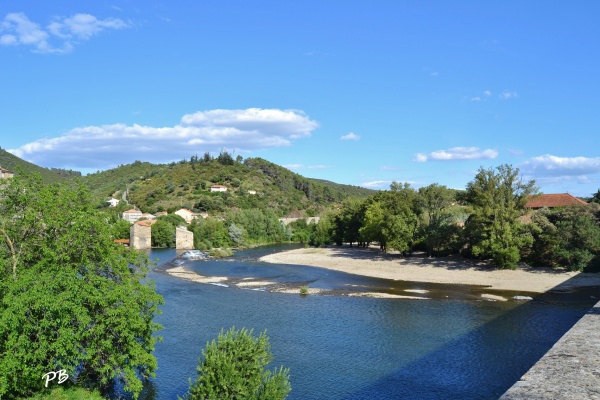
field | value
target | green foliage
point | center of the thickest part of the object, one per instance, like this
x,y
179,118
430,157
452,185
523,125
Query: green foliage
x,y
187,184
234,368
19,166
121,229
69,297
392,218
439,232
304,290
209,232
498,199
71,393
236,234
567,237
163,234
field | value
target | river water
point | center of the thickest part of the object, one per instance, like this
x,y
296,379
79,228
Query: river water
x,y
454,345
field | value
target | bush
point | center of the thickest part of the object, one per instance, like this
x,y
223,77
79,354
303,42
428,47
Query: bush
x,y
234,368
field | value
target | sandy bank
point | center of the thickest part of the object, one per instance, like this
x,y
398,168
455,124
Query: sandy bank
x,y
453,270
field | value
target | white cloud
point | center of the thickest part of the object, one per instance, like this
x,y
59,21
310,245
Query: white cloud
x,y
457,153
486,94
376,184
506,95
18,29
109,145
553,166
350,136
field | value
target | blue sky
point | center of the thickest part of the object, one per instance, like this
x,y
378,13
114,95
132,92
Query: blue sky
x,y
357,92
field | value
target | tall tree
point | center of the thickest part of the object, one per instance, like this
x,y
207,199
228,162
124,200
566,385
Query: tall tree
x,y
435,200
69,297
498,199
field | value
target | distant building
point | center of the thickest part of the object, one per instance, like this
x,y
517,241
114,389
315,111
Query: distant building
x,y
161,213
5,174
186,214
148,216
113,202
132,215
251,191
552,201
218,188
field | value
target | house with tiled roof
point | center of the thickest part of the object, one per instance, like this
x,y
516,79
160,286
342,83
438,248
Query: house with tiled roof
x,y
186,214
5,174
132,215
218,188
553,201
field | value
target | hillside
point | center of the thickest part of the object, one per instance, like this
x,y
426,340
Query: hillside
x,y
157,187
13,163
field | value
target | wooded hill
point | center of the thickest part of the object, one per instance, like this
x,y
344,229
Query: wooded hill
x,y
158,187
14,163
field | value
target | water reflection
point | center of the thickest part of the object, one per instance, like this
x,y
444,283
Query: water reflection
x,y
340,347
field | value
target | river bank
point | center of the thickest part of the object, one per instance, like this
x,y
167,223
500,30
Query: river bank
x,y
448,270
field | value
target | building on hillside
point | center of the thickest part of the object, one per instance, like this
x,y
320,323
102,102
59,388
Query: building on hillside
x,y
186,214
113,202
5,174
148,216
132,215
552,201
251,191
161,213
218,188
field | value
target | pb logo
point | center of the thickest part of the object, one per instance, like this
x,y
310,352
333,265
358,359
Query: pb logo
x,y
50,376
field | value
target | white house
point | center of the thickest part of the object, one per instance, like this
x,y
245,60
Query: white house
x,y
251,191
132,215
148,216
4,173
186,214
113,202
218,188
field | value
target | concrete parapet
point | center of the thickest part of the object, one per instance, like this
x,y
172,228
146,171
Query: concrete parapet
x,y
569,370
184,239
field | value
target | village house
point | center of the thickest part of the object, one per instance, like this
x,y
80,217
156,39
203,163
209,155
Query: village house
x,y
113,202
251,191
552,201
218,188
148,216
5,174
186,214
132,215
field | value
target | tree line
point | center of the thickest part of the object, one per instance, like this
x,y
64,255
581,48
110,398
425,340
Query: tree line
x,y
489,221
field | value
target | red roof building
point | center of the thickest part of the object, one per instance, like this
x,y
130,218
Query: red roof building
x,y
553,200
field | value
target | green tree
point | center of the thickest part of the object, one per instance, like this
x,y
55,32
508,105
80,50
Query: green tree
x,y
498,199
69,297
163,234
568,237
435,201
234,368
121,229
392,218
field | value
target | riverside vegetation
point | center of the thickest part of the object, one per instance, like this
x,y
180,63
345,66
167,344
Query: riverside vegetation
x,y
488,220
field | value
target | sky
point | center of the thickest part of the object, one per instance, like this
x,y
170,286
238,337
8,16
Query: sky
x,y
356,92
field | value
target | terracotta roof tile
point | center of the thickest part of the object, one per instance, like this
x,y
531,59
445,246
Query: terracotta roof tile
x,y
553,200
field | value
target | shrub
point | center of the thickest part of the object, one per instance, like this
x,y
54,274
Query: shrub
x,y
233,367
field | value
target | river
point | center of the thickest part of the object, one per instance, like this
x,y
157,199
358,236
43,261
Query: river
x,y
454,345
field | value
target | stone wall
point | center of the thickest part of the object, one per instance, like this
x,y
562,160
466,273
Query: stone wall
x,y
140,235
184,239
569,370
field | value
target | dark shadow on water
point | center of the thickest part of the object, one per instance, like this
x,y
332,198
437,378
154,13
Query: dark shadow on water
x,y
447,372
